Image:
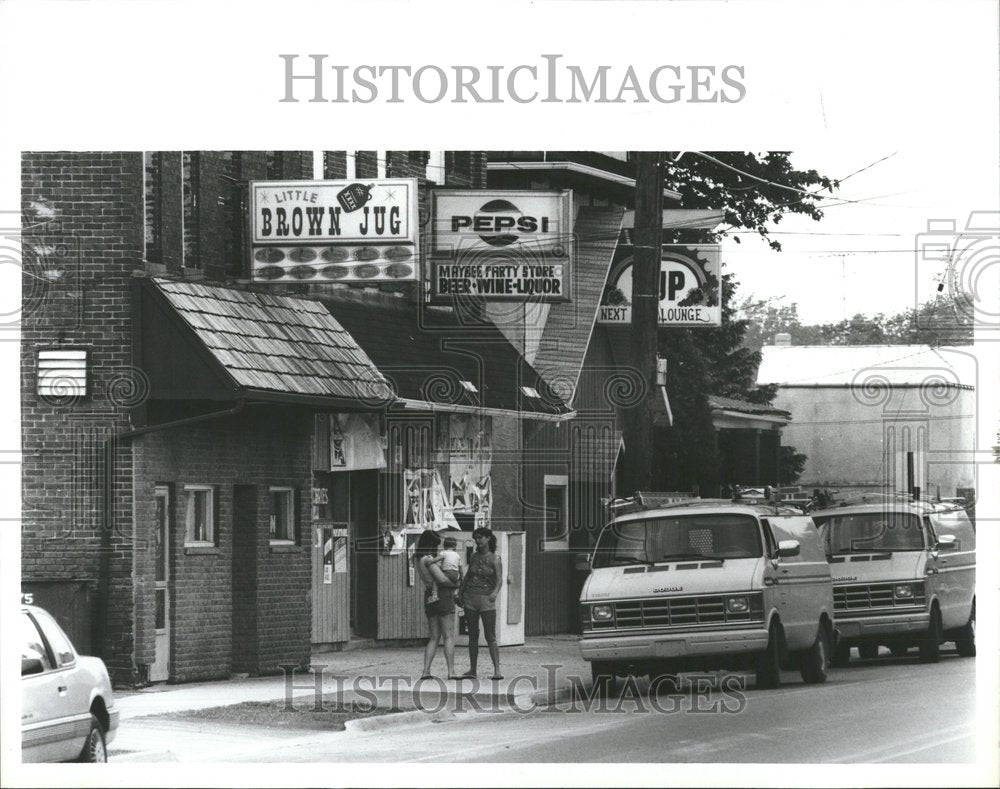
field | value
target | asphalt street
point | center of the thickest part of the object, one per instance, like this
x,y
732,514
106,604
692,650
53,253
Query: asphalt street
x,y
874,711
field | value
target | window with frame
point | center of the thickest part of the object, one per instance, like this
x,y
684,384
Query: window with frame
x,y
199,515
282,520
556,512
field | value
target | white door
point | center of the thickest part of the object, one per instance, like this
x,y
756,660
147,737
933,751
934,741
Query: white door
x,y
159,672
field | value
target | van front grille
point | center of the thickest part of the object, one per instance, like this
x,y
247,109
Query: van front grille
x,y
862,597
662,612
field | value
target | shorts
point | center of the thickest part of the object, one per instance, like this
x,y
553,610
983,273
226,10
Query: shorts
x,y
444,605
477,601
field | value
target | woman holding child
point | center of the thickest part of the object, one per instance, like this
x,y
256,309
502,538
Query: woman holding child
x,y
439,600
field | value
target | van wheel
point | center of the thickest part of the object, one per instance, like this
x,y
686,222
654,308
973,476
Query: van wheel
x,y
94,749
602,672
965,640
842,655
930,643
816,659
867,650
899,650
769,661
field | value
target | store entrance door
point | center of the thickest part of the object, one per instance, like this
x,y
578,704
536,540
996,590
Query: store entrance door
x,y
365,544
330,569
159,670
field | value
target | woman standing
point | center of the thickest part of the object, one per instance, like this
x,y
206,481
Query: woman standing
x,y
441,612
478,594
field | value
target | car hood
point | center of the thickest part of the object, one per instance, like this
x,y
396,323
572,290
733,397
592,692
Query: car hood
x,y
670,578
876,567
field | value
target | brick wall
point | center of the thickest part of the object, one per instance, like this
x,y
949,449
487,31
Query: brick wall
x,y
83,212
239,606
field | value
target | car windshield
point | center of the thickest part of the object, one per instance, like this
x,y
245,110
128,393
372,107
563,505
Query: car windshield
x,y
662,539
871,531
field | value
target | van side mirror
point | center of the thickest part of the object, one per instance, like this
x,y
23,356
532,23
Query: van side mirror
x,y
788,548
946,542
582,562
31,666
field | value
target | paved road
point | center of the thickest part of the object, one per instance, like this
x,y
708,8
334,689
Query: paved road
x,y
867,713
875,711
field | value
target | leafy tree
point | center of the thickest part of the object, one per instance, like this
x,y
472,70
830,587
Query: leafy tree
x,y
790,465
754,191
946,320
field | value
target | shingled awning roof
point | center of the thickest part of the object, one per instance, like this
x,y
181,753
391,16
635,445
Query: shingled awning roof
x,y
435,362
259,346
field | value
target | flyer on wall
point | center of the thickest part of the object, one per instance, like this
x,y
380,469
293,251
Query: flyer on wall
x,y
606,391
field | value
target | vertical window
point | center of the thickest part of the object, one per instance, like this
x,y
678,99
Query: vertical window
x,y
282,523
381,159
234,210
435,167
352,165
556,512
152,197
33,647
199,515
161,555
189,214
275,167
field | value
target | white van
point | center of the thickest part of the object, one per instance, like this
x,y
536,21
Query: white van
x,y
904,575
707,584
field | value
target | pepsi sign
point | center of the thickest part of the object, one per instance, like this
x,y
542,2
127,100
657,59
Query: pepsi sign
x,y
500,246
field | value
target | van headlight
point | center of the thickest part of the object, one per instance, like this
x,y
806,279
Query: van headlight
x,y
737,605
601,613
904,591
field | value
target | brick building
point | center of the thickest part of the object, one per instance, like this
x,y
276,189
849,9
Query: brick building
x,y
182,511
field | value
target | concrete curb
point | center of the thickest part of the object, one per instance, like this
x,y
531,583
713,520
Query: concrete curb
x,y
398,720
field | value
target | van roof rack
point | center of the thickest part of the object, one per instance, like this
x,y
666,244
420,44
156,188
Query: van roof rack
x,y
896,498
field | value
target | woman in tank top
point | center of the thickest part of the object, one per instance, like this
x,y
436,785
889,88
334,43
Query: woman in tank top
x,y
478,596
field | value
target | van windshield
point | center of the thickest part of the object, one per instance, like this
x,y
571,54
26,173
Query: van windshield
x,y
871,531
678,537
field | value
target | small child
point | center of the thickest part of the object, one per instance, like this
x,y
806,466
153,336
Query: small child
x,y
448,559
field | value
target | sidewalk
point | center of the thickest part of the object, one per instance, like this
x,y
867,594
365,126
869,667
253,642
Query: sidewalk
x,y
389,676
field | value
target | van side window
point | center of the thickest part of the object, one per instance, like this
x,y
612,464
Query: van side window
x,y
770,545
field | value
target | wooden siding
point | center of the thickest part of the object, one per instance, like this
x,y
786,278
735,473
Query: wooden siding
x,y
567,332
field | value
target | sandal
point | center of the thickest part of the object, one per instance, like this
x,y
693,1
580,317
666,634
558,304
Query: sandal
x,y
425,676
470,675
496,677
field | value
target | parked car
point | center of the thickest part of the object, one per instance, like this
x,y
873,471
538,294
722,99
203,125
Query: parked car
x,y
68,711
706,584
904,575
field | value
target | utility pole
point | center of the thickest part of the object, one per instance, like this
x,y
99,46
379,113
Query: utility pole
x,y
646,242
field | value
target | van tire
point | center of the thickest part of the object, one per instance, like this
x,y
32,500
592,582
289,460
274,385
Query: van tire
x,y
965,639
899,650
602,672
816,660
769,661
867,650
842,655
930,642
